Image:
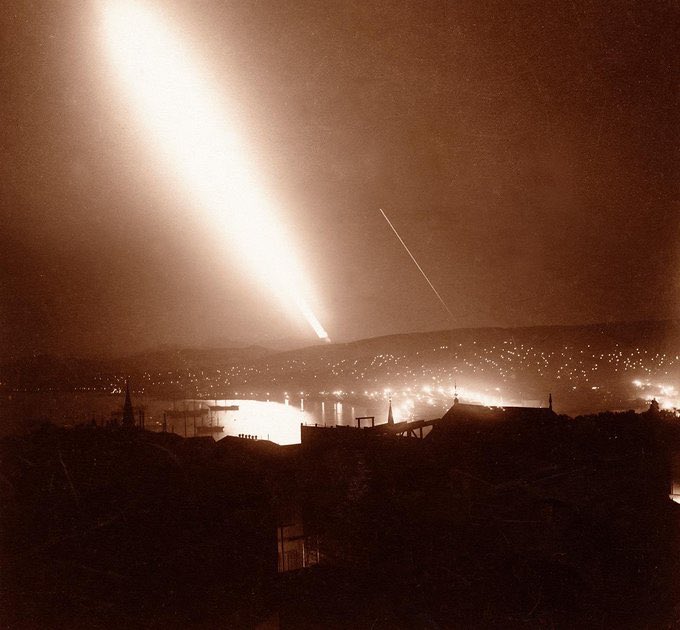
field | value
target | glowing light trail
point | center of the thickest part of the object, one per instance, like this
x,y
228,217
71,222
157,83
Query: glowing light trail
x,y
197,136
439,297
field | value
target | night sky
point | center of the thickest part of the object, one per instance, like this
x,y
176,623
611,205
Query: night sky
x,y
526,151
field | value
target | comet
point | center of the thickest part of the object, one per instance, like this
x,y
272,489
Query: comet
x,y
197,135
413,258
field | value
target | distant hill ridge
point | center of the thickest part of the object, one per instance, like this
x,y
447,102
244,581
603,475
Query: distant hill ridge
x,y
389,360
627,333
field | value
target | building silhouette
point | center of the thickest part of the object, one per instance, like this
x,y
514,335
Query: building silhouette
x,y
128,413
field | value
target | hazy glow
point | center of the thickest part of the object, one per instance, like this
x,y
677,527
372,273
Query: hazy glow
x,y
403,410
667,396
197,135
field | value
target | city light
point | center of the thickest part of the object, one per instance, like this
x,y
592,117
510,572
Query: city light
x,y
196,134
503,373
667,396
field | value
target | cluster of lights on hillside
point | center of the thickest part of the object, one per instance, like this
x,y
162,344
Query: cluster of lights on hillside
x,y
490,375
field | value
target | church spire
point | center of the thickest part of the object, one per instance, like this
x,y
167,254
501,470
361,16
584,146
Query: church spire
x,y
550,401
390,417
128,414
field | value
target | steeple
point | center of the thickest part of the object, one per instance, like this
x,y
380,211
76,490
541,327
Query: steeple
x,y
550,402
128,414
390,417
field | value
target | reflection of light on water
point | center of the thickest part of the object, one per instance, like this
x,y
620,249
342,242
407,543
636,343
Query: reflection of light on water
x,y
273,421
675,491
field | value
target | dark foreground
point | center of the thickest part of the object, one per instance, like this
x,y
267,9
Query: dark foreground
x,y
521,524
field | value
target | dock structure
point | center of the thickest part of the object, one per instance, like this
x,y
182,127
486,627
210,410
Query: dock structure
x,y
184,415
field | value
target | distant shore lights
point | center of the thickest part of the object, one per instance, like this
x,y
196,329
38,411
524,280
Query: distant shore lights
x,y
197,136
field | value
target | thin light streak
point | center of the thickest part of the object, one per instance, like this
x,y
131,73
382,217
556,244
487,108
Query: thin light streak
x,y
401,240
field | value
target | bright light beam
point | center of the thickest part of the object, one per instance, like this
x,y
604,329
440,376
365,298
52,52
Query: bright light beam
x,y
197,136
439,297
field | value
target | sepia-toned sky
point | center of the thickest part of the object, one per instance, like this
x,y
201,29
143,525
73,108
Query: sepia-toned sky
x,y
526,152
